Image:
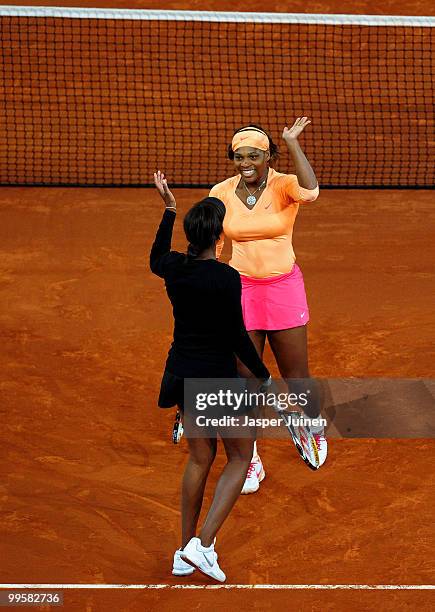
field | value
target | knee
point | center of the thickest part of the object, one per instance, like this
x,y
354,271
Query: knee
x,y
203,459
241,455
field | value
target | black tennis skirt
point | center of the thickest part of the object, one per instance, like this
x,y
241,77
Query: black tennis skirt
x,y
171,391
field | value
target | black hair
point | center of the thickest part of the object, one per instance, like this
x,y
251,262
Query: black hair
x,y
273,148
203,225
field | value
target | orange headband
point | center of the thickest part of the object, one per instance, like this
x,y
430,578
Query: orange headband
x,y
250,138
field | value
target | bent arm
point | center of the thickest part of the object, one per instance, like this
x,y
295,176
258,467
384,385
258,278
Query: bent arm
x,y
297,193
305,173
162,243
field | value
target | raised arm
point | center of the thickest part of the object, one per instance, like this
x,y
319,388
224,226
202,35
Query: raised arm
x,y
306,177
160,251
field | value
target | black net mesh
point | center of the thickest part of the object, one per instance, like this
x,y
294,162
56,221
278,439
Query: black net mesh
x,y
106,102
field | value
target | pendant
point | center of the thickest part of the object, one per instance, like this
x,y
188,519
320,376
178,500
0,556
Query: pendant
x,y
251,200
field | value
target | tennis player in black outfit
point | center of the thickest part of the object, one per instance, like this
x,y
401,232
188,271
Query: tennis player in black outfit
x,y
208,335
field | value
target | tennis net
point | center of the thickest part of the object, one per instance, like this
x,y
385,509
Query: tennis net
x,y
105,97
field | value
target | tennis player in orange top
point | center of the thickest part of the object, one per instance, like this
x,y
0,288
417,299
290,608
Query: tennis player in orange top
x,y
261,208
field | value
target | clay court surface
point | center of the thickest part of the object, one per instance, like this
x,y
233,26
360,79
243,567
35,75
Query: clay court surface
x,y
90,479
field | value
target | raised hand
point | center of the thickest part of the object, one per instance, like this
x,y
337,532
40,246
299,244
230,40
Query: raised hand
x,y
298,126
162,187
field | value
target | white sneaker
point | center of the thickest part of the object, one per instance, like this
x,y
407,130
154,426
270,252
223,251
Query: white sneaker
x,y
203,558
322,447
254,476
180,567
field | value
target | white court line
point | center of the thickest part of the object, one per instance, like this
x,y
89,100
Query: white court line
x,y
216,16
320,587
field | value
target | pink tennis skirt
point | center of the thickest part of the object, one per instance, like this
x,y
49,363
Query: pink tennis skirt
x,y
276,302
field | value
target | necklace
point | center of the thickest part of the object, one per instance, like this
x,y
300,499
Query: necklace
x,y
251,200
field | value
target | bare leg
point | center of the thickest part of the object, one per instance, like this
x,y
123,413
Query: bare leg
x,y
239,453
258,337
289,347
202,454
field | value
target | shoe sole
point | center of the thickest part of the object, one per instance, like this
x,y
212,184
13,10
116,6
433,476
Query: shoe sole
x,y
200,570
261,477
183,572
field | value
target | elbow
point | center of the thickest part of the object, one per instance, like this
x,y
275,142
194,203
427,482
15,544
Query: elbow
x,y
309,195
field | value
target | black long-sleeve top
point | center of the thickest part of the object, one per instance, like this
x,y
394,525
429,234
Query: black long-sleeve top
x,y
206,298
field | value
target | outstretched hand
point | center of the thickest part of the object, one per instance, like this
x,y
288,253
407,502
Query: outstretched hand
x,y
298,126
162,187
